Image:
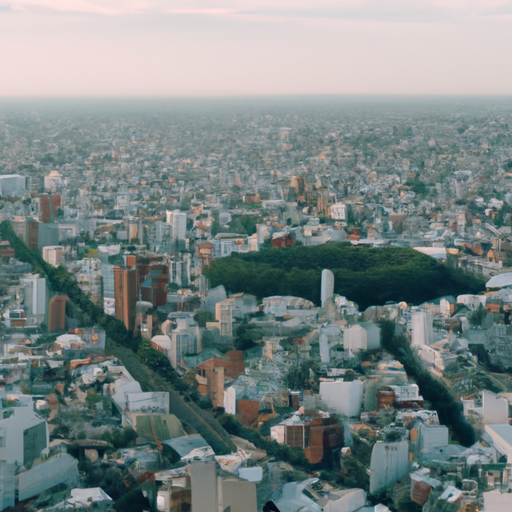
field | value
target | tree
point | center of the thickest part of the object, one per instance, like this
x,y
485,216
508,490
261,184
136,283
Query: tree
x,y
392,436
367,276
202,317
476,318
433,389
132,501
92,398
353,473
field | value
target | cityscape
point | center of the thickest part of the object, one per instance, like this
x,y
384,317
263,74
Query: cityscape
x,y
255,256
257,305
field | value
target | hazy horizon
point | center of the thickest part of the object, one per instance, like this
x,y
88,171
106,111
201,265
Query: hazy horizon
x,y
263,96
228,48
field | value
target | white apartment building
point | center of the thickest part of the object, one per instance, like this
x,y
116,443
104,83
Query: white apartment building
x,y
338,211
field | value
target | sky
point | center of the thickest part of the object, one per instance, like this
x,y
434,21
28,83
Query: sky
x,y
173,48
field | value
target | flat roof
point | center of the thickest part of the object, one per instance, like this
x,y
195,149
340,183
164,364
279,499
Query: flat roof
x,y
500,281
503,430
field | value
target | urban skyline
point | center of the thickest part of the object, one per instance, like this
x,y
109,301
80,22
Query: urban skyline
x,y
255,256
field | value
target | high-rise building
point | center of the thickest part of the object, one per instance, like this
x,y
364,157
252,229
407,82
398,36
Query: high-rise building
x,y
422,331
211,493
48,205
13,185
24,435
154,287
224,316
107,273
53,254
215,387
32,234
180,270
126,293
185,338
204,486
56,203
47,234
57,313
27,230
153,279
35,294
53,181
327,288
19,226
179,225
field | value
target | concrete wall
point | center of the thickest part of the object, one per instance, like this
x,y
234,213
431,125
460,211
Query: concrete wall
x,y
501,436
389,463
354,338
204,486
497,501
230,400
495,409
422,328
372,335
432,436
239,495
363,336
344,397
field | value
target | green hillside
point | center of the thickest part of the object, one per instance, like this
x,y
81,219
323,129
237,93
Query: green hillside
x,y
365,275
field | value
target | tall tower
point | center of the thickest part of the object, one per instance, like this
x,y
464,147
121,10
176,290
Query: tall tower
x,y
48,204
179,225
327,290
461,222
57,313
224,316
422,331
126,295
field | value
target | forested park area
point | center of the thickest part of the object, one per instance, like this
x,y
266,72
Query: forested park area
x,y
366,275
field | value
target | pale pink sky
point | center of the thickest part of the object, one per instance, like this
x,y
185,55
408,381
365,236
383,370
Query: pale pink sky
x,y
247,47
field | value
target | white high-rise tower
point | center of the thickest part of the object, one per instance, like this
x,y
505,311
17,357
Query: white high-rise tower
x,y
327,289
